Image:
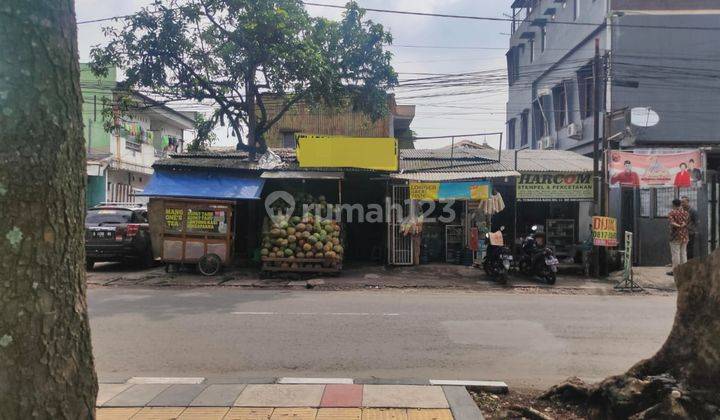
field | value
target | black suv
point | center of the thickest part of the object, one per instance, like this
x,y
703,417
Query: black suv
x,y
115,232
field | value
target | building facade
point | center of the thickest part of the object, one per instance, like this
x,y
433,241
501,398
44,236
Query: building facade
x,y
316,119
655,55
119,161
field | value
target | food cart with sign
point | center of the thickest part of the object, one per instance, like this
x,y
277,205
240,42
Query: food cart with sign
x,y
193,215
188,231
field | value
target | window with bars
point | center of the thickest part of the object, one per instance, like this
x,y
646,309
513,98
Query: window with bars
x,y
645,203
663,201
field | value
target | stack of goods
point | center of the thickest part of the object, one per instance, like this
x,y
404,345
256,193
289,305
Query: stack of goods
x,y
307,243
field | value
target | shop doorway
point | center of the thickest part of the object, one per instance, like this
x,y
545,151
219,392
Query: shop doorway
x,y
400,247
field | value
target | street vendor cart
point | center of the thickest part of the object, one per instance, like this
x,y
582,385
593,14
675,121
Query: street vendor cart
x,y
192,231
193,215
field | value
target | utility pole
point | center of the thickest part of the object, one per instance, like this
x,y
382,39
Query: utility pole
x,y
599,256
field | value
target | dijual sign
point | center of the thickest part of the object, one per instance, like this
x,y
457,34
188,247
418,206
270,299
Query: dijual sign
x,y
568,186
444,191
604,231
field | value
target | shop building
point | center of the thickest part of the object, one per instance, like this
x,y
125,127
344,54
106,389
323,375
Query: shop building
x,y
651,59
549,189
489,189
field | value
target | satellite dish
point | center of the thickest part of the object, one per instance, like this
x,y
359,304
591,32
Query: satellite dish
x,y
644,117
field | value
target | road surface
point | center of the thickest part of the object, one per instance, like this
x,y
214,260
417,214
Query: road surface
x,y
529,341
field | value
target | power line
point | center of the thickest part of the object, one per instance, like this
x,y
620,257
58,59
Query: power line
x,y
452,16
497,19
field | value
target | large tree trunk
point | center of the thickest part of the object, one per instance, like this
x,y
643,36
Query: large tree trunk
x,y
46,363
682,380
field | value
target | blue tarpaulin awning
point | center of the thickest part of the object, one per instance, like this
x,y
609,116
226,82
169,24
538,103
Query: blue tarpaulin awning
x,y
204,184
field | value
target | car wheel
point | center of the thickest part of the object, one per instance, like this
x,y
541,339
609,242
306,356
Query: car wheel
x,y
210,264
89,264
148,260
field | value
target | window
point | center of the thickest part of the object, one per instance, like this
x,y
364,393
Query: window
x,y
576,9
645,200
511,134
532,50
288,139
560,106
585,90
663,201
570,108
513,65
691,194
524,127
543,38
540,123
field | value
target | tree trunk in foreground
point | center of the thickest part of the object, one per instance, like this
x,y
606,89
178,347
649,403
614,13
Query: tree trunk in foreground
x,y
46,363
682,380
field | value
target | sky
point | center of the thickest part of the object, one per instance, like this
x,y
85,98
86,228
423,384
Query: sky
x,y
421,45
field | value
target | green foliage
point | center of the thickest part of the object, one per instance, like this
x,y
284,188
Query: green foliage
x,y
205,135
235,53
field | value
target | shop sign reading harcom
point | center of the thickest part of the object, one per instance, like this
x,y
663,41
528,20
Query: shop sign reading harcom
x,y
555,187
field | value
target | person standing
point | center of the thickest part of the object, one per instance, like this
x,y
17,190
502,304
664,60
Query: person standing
x,y
678,219
692,225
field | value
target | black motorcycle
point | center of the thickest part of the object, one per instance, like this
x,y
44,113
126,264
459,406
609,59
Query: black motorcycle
x,y
537,260
497,261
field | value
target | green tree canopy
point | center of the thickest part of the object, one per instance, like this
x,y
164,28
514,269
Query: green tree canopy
x,y
235,53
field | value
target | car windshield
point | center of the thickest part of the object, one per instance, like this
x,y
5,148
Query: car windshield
x,y
108,216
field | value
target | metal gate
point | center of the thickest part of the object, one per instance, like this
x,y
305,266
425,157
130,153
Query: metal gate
x,y
400,249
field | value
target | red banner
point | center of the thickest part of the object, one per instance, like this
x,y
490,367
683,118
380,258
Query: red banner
x,y
680,170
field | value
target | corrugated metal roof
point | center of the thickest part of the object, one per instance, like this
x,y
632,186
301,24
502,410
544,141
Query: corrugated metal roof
x,y
411,160
302,175
453,176
541,160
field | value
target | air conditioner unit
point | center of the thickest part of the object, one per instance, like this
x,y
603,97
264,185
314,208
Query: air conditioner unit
x,y
547,142
575,131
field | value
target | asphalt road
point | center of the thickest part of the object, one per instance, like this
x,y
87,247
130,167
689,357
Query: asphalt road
x,y
529,341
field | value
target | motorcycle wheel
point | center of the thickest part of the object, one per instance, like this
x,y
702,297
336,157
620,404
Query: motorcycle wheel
x,y
524,267
550,278
502,278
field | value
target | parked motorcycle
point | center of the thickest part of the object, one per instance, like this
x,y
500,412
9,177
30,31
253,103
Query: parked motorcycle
x,y
497,261
537,260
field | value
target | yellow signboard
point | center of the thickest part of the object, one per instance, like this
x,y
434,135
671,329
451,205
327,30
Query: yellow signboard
x,y
445,191
425,191
480,192
604,231
173,219
376,153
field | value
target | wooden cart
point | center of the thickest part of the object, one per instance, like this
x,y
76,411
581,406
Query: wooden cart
x,y
192,231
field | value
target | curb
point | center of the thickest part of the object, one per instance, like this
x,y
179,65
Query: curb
x,y
493,387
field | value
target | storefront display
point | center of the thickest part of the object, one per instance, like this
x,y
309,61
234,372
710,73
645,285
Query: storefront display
x,y
302,242
560,235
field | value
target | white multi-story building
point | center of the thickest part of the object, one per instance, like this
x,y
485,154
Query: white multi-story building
x,y
119,161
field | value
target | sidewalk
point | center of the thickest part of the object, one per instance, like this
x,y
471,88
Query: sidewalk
x,y
430,276
296,398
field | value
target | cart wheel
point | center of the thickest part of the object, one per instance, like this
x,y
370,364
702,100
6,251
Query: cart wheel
x,y
210,264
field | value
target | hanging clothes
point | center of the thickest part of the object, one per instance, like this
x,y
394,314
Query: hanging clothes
x,y
493,205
